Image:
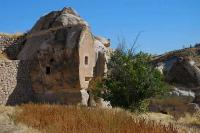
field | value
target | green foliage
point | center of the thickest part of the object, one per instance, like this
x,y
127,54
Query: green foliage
x,y
131,80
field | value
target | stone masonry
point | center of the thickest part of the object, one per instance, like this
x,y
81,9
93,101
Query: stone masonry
x,y
11,45
15,85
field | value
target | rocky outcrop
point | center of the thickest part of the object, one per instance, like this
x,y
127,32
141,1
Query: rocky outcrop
x,y
54,62
58,19
65,57
183,73
180,70
104,41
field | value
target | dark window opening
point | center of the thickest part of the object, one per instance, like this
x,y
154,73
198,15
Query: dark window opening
x,y
48,70
51,60
53,50
86,60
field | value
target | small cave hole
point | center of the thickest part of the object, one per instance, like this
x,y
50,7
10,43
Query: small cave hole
x,y
48,70
51,60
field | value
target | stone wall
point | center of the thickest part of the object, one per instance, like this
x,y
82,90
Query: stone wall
x,y
3,48
11,45
15,83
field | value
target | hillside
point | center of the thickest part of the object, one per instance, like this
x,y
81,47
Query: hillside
x,y
180,67
181,70
192,52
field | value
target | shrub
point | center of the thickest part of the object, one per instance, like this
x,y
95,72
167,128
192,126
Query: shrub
x,y
131,80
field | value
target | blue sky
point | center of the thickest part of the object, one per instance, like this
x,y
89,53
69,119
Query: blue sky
x,y
167,24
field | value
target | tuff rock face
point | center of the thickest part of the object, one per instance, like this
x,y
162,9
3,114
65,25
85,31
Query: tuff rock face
x,y
65,57
181,71
66,17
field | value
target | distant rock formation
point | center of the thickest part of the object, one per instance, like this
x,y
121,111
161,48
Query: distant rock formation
x,y
181,69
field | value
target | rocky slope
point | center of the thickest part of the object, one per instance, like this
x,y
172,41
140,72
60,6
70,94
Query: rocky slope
x,y
182,71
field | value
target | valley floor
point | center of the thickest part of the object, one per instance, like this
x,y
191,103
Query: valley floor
x,y
33,118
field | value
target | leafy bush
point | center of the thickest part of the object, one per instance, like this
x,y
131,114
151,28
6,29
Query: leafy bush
x,y
131,80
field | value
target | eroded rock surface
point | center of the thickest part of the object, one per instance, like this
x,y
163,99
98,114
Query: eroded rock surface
x,y
65,57
59,57
181,70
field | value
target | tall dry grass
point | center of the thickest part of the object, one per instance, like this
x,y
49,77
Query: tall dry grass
x,y
8,126
190,119
73,119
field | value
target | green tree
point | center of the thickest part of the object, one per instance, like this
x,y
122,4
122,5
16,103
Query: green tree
x,y
131,80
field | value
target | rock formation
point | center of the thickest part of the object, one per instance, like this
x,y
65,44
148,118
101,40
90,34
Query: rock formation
x,y
64,57
182,71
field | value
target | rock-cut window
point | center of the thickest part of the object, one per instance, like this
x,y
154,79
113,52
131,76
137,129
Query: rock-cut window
x,y
48,70
86,60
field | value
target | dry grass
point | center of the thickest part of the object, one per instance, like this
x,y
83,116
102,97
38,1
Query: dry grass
x,y
186,124
190,119
73,119
8,126
158,117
